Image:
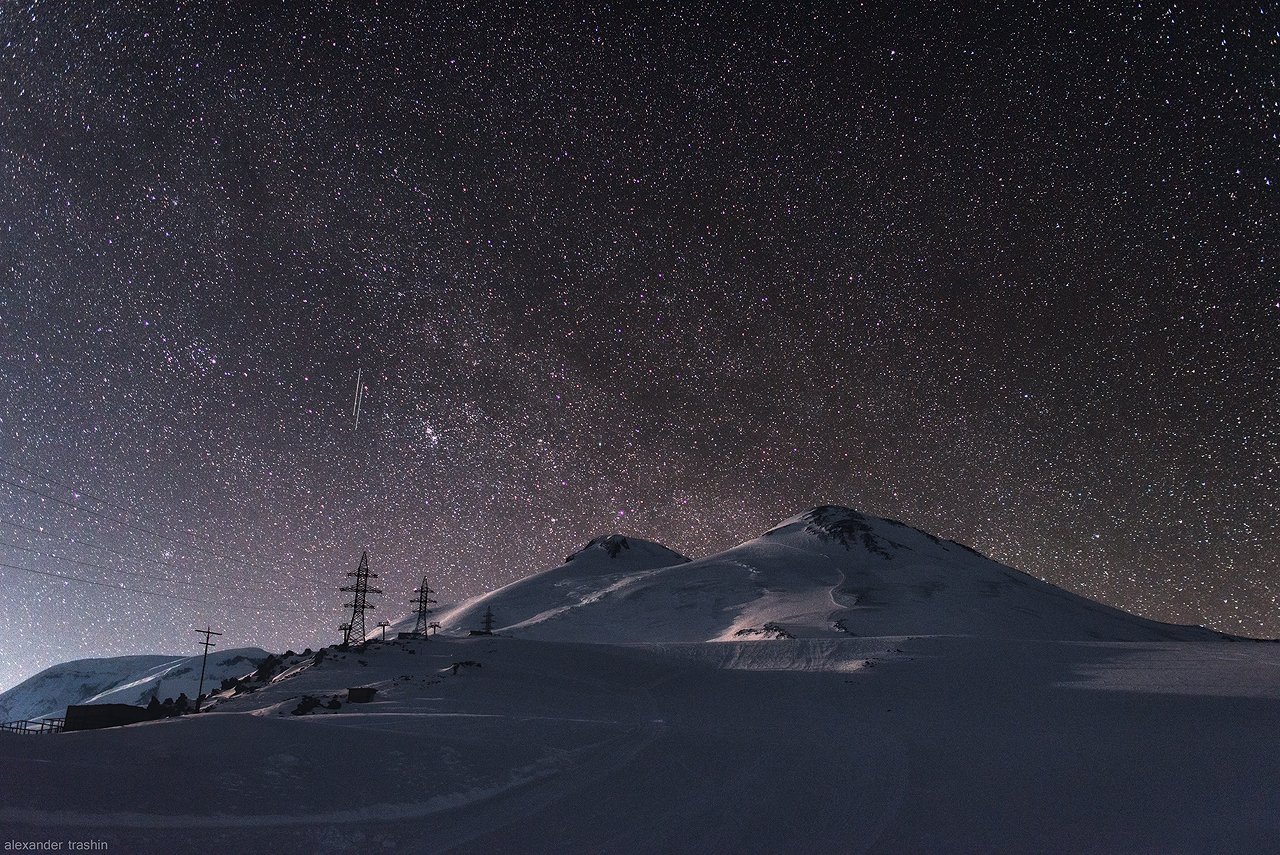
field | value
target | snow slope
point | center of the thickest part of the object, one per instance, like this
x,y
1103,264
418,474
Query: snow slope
x,y
830,571
565,595
888,745
120,680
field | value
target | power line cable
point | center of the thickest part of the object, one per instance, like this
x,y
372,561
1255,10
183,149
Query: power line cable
x,y
141,573
73,541
91,545
117,520
143,591
127,510
9,464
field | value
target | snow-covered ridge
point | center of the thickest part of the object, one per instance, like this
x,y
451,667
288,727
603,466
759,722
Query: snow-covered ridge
x,y
830,571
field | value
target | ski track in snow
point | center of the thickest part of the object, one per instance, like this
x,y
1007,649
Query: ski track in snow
x,y
537,772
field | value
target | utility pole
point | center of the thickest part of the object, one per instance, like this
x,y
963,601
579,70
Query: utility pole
x,y
433,626
488,620
359,604
422,602
384,624
207,643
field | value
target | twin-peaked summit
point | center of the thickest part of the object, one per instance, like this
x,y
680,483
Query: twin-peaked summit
x,y
828,572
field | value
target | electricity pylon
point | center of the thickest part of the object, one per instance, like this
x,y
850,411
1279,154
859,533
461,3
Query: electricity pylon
x,y
359,604
422,602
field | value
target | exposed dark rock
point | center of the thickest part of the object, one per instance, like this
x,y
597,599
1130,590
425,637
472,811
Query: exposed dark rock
x,y
612,544
846,527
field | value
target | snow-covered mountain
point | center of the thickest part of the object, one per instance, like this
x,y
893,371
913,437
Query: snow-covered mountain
x,y
827,572
840,684
121,680
830,572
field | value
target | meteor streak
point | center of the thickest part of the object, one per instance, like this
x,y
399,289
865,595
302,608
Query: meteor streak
x,y
359,399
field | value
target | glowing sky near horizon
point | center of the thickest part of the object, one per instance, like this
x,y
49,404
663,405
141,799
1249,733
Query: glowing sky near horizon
x,y
1007,276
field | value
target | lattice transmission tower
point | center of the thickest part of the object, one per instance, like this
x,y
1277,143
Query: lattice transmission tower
x,y
354,629
423,602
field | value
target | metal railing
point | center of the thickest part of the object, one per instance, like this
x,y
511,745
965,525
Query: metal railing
x,y
39,725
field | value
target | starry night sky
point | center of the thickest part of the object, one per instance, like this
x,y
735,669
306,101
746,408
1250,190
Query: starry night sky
x,y
1006,273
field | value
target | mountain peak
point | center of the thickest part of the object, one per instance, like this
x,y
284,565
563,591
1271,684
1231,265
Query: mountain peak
x,y
838,524
611,546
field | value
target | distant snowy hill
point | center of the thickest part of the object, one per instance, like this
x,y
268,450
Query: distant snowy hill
x,y
50,691
121,680
828,572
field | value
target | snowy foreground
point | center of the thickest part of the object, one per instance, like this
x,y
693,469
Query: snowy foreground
x,y
840,684
849,745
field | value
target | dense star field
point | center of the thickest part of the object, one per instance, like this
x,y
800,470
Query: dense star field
x,y
1007,274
